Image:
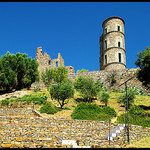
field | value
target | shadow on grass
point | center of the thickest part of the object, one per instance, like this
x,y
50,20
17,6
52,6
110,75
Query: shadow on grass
x,y
145,107
60,109
79,100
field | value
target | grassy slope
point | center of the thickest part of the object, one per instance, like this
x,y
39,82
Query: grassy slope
x,y
144,143
140,100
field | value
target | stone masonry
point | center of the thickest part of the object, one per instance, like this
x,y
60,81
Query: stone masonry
x,y
21,129
112,44
45,61
121,75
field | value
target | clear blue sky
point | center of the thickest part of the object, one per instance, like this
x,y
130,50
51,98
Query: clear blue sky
x,y
71,28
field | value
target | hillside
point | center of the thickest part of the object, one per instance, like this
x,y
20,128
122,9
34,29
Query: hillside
x,y
141,100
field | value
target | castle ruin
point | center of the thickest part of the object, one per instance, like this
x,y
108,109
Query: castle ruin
x,y
45,61
112,57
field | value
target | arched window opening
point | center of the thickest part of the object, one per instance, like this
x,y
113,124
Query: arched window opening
x,y
56,63
105,59
119,44
119,56
105,44
118,28
49,62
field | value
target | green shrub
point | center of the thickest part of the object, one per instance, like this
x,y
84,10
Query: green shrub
x,y
110,111
137,116
103,96
47,108
38,99
36,89
116,91
5,102
111,78
138,91
87,111
87,87
136,110
130,95
82,70
135,119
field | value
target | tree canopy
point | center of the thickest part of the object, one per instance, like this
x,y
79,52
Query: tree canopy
x,y
57,75
17,71
143,62
61,92
82,70
87,87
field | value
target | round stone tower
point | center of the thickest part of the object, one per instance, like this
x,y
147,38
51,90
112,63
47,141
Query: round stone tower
x,y
112,44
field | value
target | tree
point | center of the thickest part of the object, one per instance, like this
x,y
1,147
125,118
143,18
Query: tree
x,y
60,74
61,92
47,77
130,95
111,77
82,70
57,75
104,96
17,71
143,62
87,87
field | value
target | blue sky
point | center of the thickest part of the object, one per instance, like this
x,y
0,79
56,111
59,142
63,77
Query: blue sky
x,y
71,28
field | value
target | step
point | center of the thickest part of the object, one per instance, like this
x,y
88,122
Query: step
x,y
73,142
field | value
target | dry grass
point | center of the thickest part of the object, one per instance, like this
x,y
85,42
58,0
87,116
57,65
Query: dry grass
x,y
140,100
144,143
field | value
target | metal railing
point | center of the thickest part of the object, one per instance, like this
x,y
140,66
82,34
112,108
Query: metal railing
x,y
109,123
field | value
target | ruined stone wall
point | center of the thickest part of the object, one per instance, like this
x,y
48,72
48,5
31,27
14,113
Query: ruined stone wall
x,y
45,61
121,76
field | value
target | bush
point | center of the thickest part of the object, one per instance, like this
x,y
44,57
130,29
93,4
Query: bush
x,y
130,95
137,116
136,110
87,111
5,102
110,111
138,91
36,89
87,87
82,70
103,96
38,99
47,108
111,77
135,119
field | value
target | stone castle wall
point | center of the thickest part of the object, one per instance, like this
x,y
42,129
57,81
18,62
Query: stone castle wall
x,y
121,76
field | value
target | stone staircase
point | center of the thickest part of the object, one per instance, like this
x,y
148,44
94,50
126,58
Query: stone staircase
x,y
114,132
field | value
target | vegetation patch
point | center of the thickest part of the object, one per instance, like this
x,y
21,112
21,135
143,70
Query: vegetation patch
x,y
137,116
48,109
87,111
